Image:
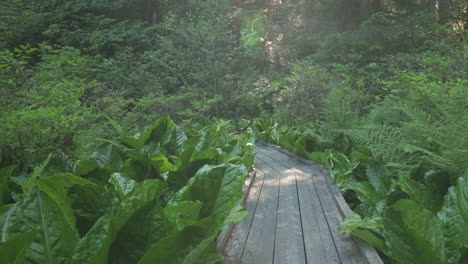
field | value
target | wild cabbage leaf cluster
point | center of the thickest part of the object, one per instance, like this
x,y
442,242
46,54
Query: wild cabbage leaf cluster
x,y
159,196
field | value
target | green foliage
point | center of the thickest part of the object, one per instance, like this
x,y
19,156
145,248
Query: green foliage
x,y
373,90
301,94
406,204
46,110
252,34
157,190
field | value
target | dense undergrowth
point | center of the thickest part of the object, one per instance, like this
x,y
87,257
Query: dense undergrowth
x,y
161,196
405,176
373,89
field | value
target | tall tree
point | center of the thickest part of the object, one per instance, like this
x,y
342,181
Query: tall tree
x,y
444,11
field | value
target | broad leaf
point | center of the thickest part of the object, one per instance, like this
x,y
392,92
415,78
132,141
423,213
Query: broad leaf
x,y
413,234
56,238
94,247
455,217
219,188
159,133
122,184
429,197
13,250
55,186
108,156
358,227
5,174
183,214
194,244
142,231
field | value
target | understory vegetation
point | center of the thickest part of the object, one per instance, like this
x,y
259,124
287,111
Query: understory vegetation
x,y
374,90
130,201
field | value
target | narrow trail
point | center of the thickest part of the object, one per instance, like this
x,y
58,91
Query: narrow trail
x,y
294,215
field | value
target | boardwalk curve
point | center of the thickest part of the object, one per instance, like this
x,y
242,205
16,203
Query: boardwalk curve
x,y
294,214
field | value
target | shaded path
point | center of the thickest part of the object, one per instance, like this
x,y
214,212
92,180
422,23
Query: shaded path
x,y
294,214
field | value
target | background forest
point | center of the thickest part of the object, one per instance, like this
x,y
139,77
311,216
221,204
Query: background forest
x,y
376,90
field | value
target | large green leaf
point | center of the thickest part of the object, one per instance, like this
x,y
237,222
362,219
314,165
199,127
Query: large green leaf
x,y
5,174
341,168
455,217
3,214
56,238
143,166
89,203
161,164
429,197
94,247
159,133
142,231
461,202
373,193
380,178
194,244
183,214
191,159
13,250
306,143
108,156
366,193
413,234
55,186
365,229
219,188
122,184
265,130
178,138
139,168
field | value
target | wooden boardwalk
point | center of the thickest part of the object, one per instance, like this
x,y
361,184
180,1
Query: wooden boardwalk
x,y
294,214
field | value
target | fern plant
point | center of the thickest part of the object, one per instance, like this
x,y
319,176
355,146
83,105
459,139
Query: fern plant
x,y
408,136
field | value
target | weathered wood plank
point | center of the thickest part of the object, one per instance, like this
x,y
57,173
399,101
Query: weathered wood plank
x,y
345,244
319,244
259,247
289,243
317,237
299,193
366,249
238,236
226,233
347,249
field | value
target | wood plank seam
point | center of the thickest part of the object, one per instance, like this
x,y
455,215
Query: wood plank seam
x,y
300,217
365,248
322,239
344,247
277,206
260,246
327,220
243,228
323,210
250,225
295,190
228,230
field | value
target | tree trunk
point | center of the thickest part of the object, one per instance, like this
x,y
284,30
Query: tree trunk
x,y
444,11
377,6
155,8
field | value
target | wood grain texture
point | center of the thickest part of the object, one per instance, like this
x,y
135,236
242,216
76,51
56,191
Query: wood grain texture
x,y
366,249
259,247
289,243
295,211
238,235
347,250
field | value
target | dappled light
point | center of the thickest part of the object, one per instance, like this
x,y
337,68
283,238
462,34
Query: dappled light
x,y
308,131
